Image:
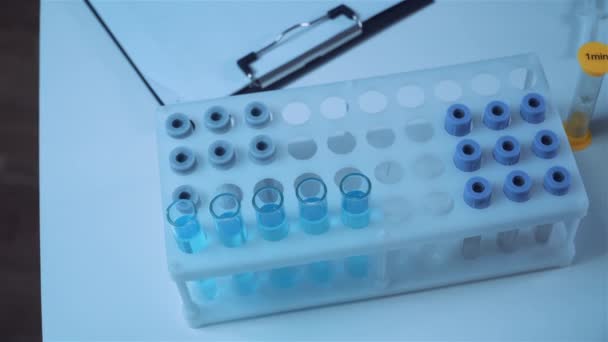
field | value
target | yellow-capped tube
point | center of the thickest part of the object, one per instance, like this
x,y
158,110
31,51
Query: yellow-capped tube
x,y
593,59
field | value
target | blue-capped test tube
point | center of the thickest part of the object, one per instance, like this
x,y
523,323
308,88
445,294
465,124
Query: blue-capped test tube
x,y
270,213
226,211
189,236
312,199
355,188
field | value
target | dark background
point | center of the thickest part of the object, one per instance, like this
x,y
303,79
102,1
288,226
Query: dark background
x,y
20,318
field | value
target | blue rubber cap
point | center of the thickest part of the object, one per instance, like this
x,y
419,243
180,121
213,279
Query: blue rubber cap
x,y
221,154
557,181
497,115
467,156
545,144
178,125
257,114
217,119
478,193
262,149
458,120
182,159
533,108
517,186
507,150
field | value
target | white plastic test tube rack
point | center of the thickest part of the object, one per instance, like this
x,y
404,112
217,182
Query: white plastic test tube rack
x,y
422,233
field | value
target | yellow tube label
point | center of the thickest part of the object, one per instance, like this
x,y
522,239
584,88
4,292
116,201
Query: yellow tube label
x,y
593,58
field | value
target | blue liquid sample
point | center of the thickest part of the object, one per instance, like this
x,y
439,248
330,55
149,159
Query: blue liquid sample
x,y
357,266
206,287
231,230
355,209
271,222
284,277
188,234
313,216
245,283
321,271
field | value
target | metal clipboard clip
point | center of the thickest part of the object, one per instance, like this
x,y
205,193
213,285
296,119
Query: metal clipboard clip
x,y
245,62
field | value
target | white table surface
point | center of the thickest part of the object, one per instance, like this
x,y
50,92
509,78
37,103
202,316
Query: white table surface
x,y
103,266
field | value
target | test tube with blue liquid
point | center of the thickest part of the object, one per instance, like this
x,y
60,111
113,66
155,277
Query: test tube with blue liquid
x,y
355,188
312,200
270,213
272,226
190,238
182,216
226,211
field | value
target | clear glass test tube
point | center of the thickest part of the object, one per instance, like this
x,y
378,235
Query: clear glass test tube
x,y
355,188
583,105
312,199
226,211
182,215
270,213
273,226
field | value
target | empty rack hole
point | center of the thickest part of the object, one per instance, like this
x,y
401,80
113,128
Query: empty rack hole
x,y
518,181
181,157
478,187
342,144
381,138
438,203
448,91
343,172
219,151
522,78
268,182
428,166
419,130
410,96
558,176
485,84
546,140
497,110
231,189
302,149
304,176
334,107
372,102
468,149
389,172
508,146
296,113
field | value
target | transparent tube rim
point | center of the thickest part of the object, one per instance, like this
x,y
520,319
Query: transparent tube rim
x,y
324,187
358,174
174,203
237,210
268,187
